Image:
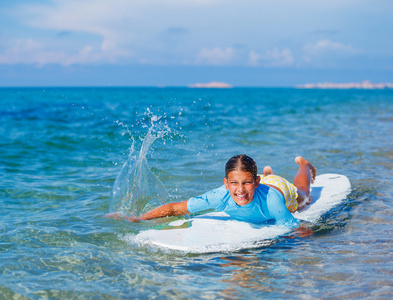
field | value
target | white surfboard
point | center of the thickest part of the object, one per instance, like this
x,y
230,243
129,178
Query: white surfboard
x,y
217,232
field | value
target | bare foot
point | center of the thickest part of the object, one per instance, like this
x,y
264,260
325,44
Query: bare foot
x,y
302,180
302,161
267,171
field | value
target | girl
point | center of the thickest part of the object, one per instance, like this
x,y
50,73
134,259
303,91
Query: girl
x,y
246,196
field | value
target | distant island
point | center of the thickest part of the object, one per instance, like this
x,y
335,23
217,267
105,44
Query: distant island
x,y
352,85
212,84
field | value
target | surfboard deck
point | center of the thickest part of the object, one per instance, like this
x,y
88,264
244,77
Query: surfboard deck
x,y
217,232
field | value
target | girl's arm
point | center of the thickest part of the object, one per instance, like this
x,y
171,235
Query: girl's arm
x,y
166,210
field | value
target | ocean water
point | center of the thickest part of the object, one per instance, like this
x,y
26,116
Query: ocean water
x,y
69,155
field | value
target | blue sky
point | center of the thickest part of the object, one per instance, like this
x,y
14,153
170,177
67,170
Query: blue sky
x,y
180,42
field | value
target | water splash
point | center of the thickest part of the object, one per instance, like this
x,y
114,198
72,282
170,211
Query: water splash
x,y
136,188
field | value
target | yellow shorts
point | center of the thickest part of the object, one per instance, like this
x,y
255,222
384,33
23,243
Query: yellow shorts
x,y
288,189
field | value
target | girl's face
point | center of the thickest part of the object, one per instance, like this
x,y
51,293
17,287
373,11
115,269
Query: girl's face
x,y
241,186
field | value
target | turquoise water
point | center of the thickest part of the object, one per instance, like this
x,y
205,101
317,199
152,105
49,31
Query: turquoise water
x,y
62,150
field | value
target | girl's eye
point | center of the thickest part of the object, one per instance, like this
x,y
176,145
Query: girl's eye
x,y
246,183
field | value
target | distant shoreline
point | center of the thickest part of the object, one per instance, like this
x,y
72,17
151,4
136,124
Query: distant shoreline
x,y
352,85
365,85
212,84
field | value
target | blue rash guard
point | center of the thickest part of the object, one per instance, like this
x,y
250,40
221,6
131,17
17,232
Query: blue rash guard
x,y
268,204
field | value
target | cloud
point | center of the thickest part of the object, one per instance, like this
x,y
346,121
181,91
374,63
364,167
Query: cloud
x,y
215,56
271,58
113,31
323,46
83,23
39,55
92,17
278,58
326,52
176,32
253,58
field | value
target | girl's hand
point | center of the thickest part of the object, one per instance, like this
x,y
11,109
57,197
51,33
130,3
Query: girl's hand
x,y
120,216
115,215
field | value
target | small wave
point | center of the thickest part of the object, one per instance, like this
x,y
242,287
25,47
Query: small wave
x,y
136,188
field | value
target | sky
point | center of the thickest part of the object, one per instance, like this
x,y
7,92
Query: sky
x,y
182,42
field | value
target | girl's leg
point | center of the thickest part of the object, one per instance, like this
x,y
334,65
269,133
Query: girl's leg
x,y
304,177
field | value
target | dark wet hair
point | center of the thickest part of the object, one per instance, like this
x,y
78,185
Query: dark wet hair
x,y
243,163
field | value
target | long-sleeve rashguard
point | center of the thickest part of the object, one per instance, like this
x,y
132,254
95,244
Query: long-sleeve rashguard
x,y
268,204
